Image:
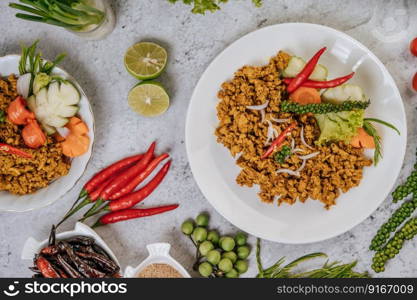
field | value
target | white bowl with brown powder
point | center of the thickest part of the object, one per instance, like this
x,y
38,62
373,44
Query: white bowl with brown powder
x,y
159,264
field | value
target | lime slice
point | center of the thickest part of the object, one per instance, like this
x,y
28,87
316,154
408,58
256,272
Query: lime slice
x,y
146,60
148,99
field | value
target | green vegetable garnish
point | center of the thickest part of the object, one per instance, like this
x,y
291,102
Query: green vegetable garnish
x,y
283,154
201,6
2,116
397,218
394,245
341,126
328,270
71,14
323,108
371,130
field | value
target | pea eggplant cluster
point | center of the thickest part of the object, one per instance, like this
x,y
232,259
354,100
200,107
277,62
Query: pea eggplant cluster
x,y
217,256
322,108
388,248
76,257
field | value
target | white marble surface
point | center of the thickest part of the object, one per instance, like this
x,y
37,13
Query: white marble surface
x,y
193,41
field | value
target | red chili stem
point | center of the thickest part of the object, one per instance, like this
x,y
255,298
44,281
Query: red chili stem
x,y
120,181
323,84
12,150
306,72
278,141
139,178
46,268
108,172
132,213
134,198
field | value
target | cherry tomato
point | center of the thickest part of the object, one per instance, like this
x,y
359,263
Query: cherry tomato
x,y
17,112
33,135
415,82
413,47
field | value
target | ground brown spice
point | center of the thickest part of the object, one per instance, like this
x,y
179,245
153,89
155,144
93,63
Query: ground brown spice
x,y
159,271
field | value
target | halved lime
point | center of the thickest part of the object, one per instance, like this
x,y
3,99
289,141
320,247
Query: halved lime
x,y
146,60
148,99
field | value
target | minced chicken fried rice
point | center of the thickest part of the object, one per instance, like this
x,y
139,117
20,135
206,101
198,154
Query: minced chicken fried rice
x,y
22,175
337,168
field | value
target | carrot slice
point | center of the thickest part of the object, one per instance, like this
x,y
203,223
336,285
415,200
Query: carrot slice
x,y
77,126
75,145
305,95
363,140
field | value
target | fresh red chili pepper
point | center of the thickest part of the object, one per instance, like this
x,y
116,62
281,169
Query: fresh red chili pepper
x,y
306,72
132,213
108,172
12,150
278,141
94,194
140,178
323,84
46,268
120,181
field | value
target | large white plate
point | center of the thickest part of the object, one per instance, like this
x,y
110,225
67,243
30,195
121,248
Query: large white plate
x,y
57,189
214,168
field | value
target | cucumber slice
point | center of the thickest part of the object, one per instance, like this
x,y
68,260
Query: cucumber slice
x,y
320,73
68,94
343,93
296,65
55,121
48,129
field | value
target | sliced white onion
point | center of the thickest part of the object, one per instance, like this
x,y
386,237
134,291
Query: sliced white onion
x,y
296,172
288,171
262,115
276,134
23,85
309,156
270,133
292,144
280,120
63,131
301,167
297,150
303,140
258,107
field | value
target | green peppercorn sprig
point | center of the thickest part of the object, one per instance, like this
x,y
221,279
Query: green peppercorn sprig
x,y
394,245
216,256
397,218
283,154
322,108
409,186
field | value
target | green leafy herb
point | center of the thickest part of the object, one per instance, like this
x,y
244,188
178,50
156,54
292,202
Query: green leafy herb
x,y
2,116
282,154
397,218
70,14
371,130
202,6
322,108
394,245
328,270
32,62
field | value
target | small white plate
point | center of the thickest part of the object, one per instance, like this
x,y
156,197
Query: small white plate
x,y
57,189
215,170
32,246
158,254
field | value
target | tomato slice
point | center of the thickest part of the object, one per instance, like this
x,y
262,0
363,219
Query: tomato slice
x,y
17,112
33,135
415,82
